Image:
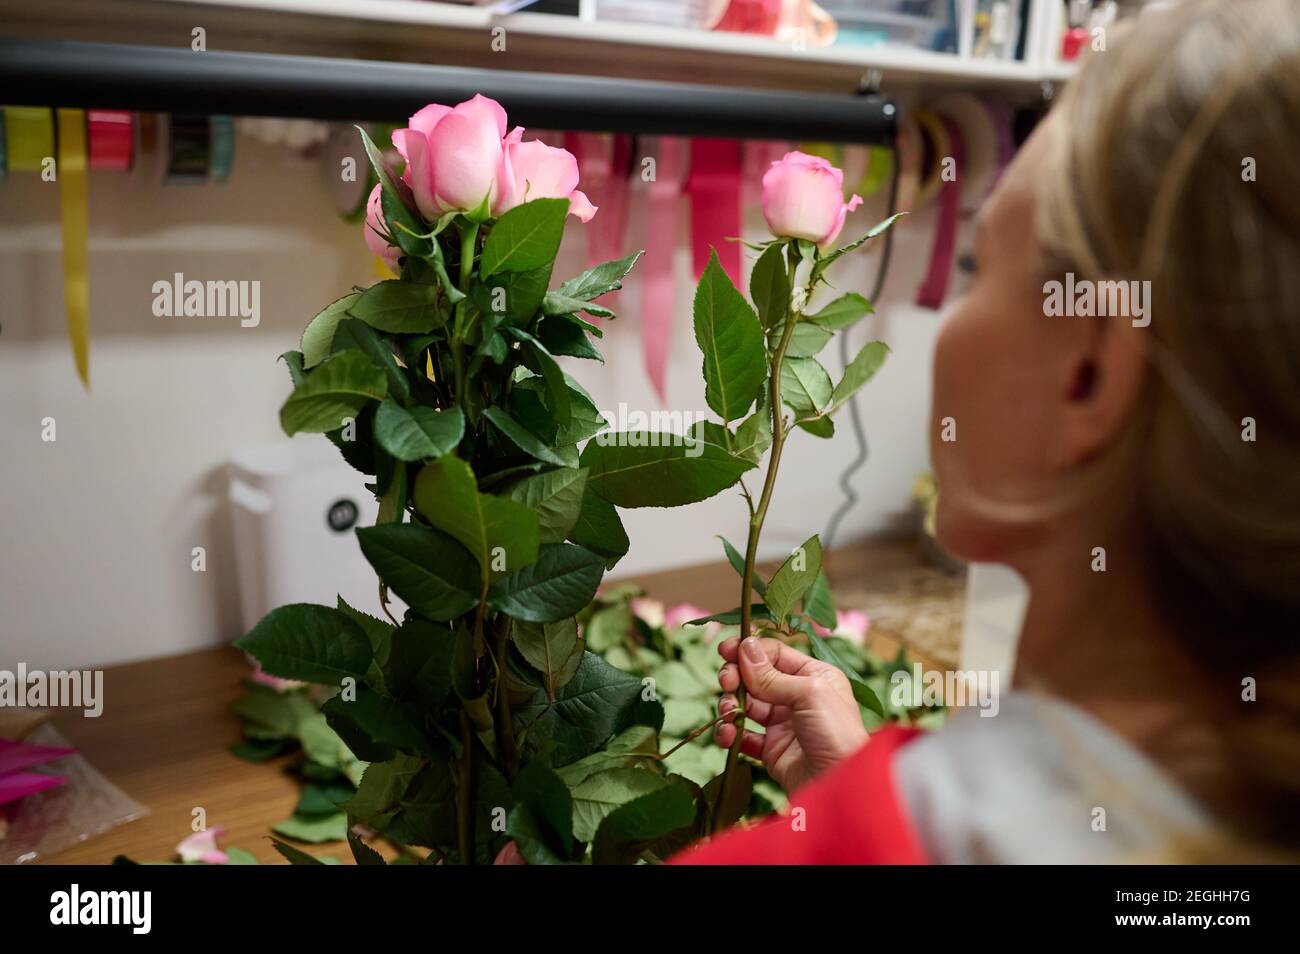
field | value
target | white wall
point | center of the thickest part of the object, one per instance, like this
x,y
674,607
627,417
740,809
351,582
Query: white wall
x,y
96,528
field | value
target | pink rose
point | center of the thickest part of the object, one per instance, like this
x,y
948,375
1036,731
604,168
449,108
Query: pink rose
x,y
803,198
453,155
650,612
852,625
376,229
534,170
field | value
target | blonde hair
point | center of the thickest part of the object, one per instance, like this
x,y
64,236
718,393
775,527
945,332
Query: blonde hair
x,y
1177,160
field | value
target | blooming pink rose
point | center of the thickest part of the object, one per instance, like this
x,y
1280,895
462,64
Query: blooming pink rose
x,y
803,198
453,155
650,612
534,170
376,228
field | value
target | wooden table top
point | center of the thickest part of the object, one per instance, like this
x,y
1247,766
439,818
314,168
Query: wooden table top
x,y
166,730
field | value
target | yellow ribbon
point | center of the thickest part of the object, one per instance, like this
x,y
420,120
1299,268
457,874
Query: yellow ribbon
x,y
74,202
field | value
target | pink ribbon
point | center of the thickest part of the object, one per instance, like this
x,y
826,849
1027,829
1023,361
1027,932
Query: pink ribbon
x,y
714,188
658,285
934,288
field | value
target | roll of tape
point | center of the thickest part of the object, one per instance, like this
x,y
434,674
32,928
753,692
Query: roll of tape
x,y
223,148
29,137
189,149
110,138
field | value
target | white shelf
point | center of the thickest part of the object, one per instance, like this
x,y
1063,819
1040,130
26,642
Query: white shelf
x,y
456,34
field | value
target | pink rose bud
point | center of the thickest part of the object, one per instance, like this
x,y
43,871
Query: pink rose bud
x,y
376,228
453,155
534,170
803,198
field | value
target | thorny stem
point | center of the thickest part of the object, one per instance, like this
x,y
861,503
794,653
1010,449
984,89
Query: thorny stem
x,y
465,793
696,733
758,515
468,238
504,732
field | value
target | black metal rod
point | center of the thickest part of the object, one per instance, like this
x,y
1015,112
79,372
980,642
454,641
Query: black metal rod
x,y
162,79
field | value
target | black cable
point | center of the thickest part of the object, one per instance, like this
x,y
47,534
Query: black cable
x,y
846,477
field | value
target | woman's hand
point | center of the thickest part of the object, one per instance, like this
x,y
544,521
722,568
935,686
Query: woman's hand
x,y
806,706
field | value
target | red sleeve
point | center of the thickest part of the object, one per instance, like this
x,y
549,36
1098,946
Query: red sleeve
x,y
851,815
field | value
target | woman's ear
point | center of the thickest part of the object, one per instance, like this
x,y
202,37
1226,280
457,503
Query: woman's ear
x,y
1102,373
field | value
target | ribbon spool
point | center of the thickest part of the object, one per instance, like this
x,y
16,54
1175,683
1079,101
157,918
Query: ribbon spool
x,y
222,156
110,139
29,137
189,149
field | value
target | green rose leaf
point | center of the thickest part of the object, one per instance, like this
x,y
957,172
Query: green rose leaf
x,y
314,829
769,287
865,697
805,386
564,335
418,433
501,534
546,646
597,703
597,797
859,371
737,561
399,307
753,436
557,303
628,470
634,826
352,333
807,340
728,332
825,261
842,312
603,278
794,578
548,801
522,437
332,394
555,496
526,237
379,720
561,582
819,604
319,332
600,529
429,570
309,642
513,297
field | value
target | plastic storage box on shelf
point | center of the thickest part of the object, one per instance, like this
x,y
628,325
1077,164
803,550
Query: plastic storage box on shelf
x,y
295,506
671,13
923,24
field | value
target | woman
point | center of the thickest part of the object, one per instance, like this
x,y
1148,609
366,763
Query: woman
x,y
1139,470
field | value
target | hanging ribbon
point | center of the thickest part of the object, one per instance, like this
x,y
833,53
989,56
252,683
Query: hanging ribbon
x,y
935,146
74,201
110,138
658,285
934,288
714,187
